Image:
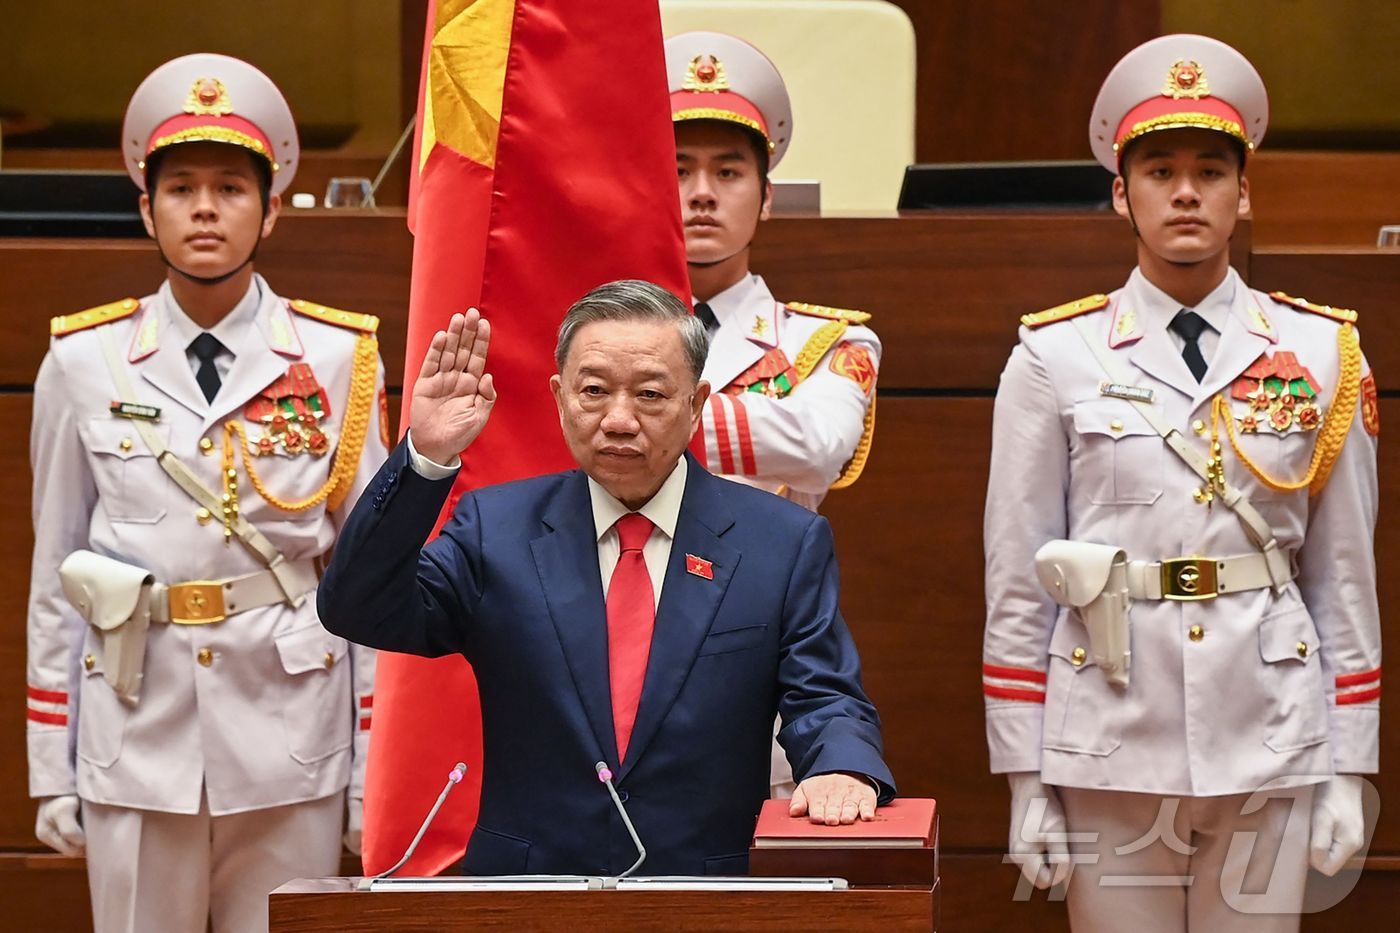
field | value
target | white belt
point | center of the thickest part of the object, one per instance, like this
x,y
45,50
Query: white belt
x,y
1188,578
200,602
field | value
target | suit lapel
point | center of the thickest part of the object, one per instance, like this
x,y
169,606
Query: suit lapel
x,y
566,558
688,605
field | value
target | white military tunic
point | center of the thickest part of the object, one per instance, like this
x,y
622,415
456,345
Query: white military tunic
x,y
1225,694
794,442
259,723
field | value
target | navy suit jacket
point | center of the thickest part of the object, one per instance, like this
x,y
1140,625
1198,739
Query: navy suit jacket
x,y
512,583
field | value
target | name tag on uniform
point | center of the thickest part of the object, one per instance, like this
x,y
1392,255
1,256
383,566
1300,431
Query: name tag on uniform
x,y
135,411
1131,393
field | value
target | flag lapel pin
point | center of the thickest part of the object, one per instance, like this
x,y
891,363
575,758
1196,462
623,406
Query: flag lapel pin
x,y
699,566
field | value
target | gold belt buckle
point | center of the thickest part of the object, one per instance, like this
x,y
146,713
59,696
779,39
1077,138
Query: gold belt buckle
x,y
1188,578
198,602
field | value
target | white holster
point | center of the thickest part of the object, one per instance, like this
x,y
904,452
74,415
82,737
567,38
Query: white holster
x,y
115,599
1092,580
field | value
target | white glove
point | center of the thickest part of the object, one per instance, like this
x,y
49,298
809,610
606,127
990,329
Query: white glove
x,y
354,824
58,827
1038,834
1338,825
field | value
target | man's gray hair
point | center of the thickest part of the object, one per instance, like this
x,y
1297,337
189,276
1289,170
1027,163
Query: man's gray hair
x,y
635,300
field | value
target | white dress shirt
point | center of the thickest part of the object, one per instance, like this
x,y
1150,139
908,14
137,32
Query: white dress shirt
x,y
231,330
663,509
1161,308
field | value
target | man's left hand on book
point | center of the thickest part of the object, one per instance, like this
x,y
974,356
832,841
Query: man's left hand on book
x,y
834,799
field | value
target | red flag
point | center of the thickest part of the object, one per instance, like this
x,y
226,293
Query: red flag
x,y
546,166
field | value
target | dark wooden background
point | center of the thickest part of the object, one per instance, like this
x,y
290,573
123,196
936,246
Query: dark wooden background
x,y
946,291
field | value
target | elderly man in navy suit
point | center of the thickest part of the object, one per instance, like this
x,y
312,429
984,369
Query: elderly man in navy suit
x,y
637,610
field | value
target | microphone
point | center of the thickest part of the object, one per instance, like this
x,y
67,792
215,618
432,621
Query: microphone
x,y
605,775
454,777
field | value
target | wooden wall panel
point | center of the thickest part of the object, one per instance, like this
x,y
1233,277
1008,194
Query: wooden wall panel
x,y
1015,79
947,289
16,550
1303,198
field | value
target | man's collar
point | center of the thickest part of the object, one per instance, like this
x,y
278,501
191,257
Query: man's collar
x,y
663,509
231,330
1158,308
735,304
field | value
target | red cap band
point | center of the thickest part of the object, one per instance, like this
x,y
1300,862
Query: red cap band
x,y
231,129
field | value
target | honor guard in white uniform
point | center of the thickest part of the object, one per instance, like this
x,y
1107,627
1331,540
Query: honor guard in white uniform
x,y
191,724
793,407
1181,584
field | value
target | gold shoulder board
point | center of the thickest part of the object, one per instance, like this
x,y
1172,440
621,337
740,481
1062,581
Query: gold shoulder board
x,y
831,314
66,324
1344,315
365,323
1065,311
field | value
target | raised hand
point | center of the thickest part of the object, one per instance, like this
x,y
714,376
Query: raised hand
x,y
454,394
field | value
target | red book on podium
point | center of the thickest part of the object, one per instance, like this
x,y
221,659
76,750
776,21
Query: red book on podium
x,y
899,846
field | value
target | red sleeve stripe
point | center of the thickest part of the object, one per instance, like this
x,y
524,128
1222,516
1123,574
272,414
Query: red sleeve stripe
x,y
1014,673
367,701
47,696
1353,680
364,723
1364,696
52,719
726,452
1011,693
741,427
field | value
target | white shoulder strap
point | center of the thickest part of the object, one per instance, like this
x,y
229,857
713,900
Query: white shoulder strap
x,y
1255,525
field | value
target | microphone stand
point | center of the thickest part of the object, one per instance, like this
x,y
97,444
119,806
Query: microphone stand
x,y
605,775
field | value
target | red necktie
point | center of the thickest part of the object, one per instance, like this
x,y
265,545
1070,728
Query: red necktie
x,y
631,616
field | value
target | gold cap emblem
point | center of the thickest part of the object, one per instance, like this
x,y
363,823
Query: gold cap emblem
x,y
1186,79
706,73
208,98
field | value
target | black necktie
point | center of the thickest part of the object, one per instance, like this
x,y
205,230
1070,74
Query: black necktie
x,y
206,346
707,317
1189,325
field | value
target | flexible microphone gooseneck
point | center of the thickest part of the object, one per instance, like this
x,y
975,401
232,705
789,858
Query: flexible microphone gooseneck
x,y
605,775
453,778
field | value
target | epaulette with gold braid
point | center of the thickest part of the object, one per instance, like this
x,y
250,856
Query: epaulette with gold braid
x,y
1065,311
365,323
66,324
1342,315
831,314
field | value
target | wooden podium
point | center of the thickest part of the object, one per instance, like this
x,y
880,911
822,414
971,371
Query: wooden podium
x,y
336,904
891,890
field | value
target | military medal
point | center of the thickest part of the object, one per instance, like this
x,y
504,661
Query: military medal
x,y
1280,393
291,411
772,376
